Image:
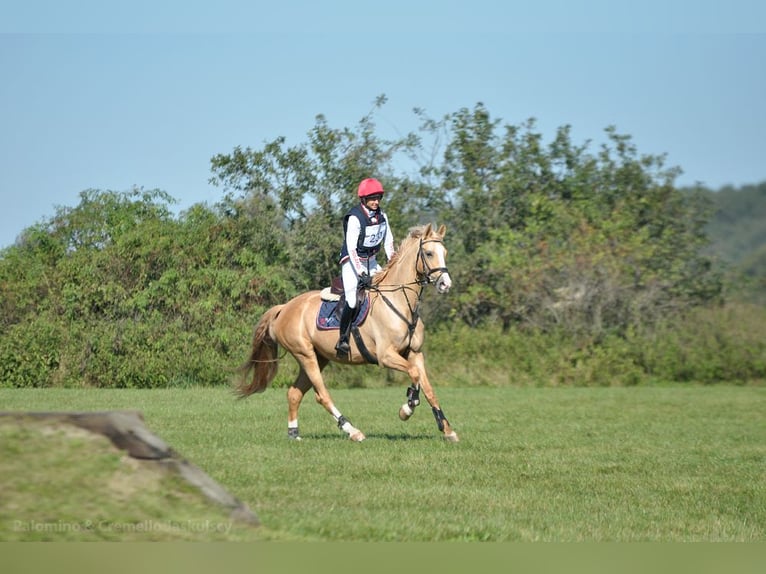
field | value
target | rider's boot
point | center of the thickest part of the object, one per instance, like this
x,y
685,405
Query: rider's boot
x,y
343,348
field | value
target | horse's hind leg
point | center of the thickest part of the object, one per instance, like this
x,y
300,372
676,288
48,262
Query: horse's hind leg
x,y
311,372
294,397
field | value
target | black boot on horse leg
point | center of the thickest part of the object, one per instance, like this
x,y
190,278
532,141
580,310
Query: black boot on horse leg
x,y
444,426
413,400
342,348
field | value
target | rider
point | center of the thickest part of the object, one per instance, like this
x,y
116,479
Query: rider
x,y
365,229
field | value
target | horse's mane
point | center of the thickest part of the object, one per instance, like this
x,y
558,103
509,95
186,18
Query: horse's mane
x,y
413,234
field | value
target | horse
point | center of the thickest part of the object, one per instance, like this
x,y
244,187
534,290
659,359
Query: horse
x,y
391,335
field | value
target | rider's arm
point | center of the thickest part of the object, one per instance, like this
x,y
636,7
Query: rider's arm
x,y
353,229
388,241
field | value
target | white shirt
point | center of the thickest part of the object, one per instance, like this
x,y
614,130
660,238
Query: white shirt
x,y
354,228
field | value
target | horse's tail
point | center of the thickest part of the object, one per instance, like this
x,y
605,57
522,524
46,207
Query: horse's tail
x,y
263,360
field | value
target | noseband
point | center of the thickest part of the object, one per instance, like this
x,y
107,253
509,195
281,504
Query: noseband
x,y
427,270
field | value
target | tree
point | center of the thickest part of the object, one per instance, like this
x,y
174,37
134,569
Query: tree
x,y
543,236
542,230
306,189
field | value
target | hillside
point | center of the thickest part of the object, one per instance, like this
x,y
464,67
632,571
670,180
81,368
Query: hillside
x,y
738,225
737,230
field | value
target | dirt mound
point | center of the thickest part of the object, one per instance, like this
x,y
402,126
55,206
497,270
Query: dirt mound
x,y
142,449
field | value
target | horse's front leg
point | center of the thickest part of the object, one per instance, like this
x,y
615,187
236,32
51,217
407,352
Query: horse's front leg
x,y
415,367
417,361
413,400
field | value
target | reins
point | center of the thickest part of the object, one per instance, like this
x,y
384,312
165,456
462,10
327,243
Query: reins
x,y
423,279
411,323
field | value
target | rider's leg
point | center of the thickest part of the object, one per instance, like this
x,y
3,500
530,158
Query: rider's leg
x,y
350,283
346,317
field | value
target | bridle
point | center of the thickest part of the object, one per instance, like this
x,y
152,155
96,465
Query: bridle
x,y
427,270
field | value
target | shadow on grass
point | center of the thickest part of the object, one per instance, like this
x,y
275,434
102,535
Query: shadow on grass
x,y
384,436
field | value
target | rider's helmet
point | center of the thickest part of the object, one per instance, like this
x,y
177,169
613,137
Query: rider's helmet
x,y
370,187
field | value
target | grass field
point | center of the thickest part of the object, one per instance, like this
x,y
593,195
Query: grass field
x,y
671,463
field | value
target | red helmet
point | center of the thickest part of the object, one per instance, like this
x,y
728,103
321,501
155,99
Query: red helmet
x,y
369,187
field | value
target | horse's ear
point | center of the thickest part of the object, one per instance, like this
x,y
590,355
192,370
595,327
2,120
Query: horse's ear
x,y
442,230
427,230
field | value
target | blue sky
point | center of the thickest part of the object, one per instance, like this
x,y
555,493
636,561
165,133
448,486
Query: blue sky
x,y
115,95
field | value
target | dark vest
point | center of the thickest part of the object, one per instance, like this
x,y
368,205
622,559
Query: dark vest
x,y
371,235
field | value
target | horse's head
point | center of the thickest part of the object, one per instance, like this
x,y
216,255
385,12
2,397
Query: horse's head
x,y
432,258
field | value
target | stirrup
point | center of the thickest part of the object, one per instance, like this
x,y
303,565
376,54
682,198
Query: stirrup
x,y
343,349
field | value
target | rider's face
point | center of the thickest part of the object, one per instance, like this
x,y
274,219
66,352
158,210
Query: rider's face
x,y
373,201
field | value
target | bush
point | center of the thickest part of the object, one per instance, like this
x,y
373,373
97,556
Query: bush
x,y
707,345
491,356
31,354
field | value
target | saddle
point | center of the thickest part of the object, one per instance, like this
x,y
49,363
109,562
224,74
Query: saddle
x,y
333,300
335,291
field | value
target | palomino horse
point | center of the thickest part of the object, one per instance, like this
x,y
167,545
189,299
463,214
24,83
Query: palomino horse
x,y
392,335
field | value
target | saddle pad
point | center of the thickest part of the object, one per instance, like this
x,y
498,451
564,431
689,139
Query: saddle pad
x,y
328,319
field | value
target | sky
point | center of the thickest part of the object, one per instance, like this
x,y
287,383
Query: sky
x,y
112,96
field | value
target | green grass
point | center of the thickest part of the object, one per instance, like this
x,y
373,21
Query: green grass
x,y
61,483
558,464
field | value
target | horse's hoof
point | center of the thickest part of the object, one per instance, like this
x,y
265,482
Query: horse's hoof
x,y
358,436
451,437
292,434
405,412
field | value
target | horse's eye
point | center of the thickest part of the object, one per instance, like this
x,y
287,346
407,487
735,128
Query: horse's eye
x,y
429,253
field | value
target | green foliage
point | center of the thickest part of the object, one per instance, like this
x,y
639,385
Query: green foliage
x,y
556,237
706,345
584,267
301,193
737,230
737,223
121,294
709,345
